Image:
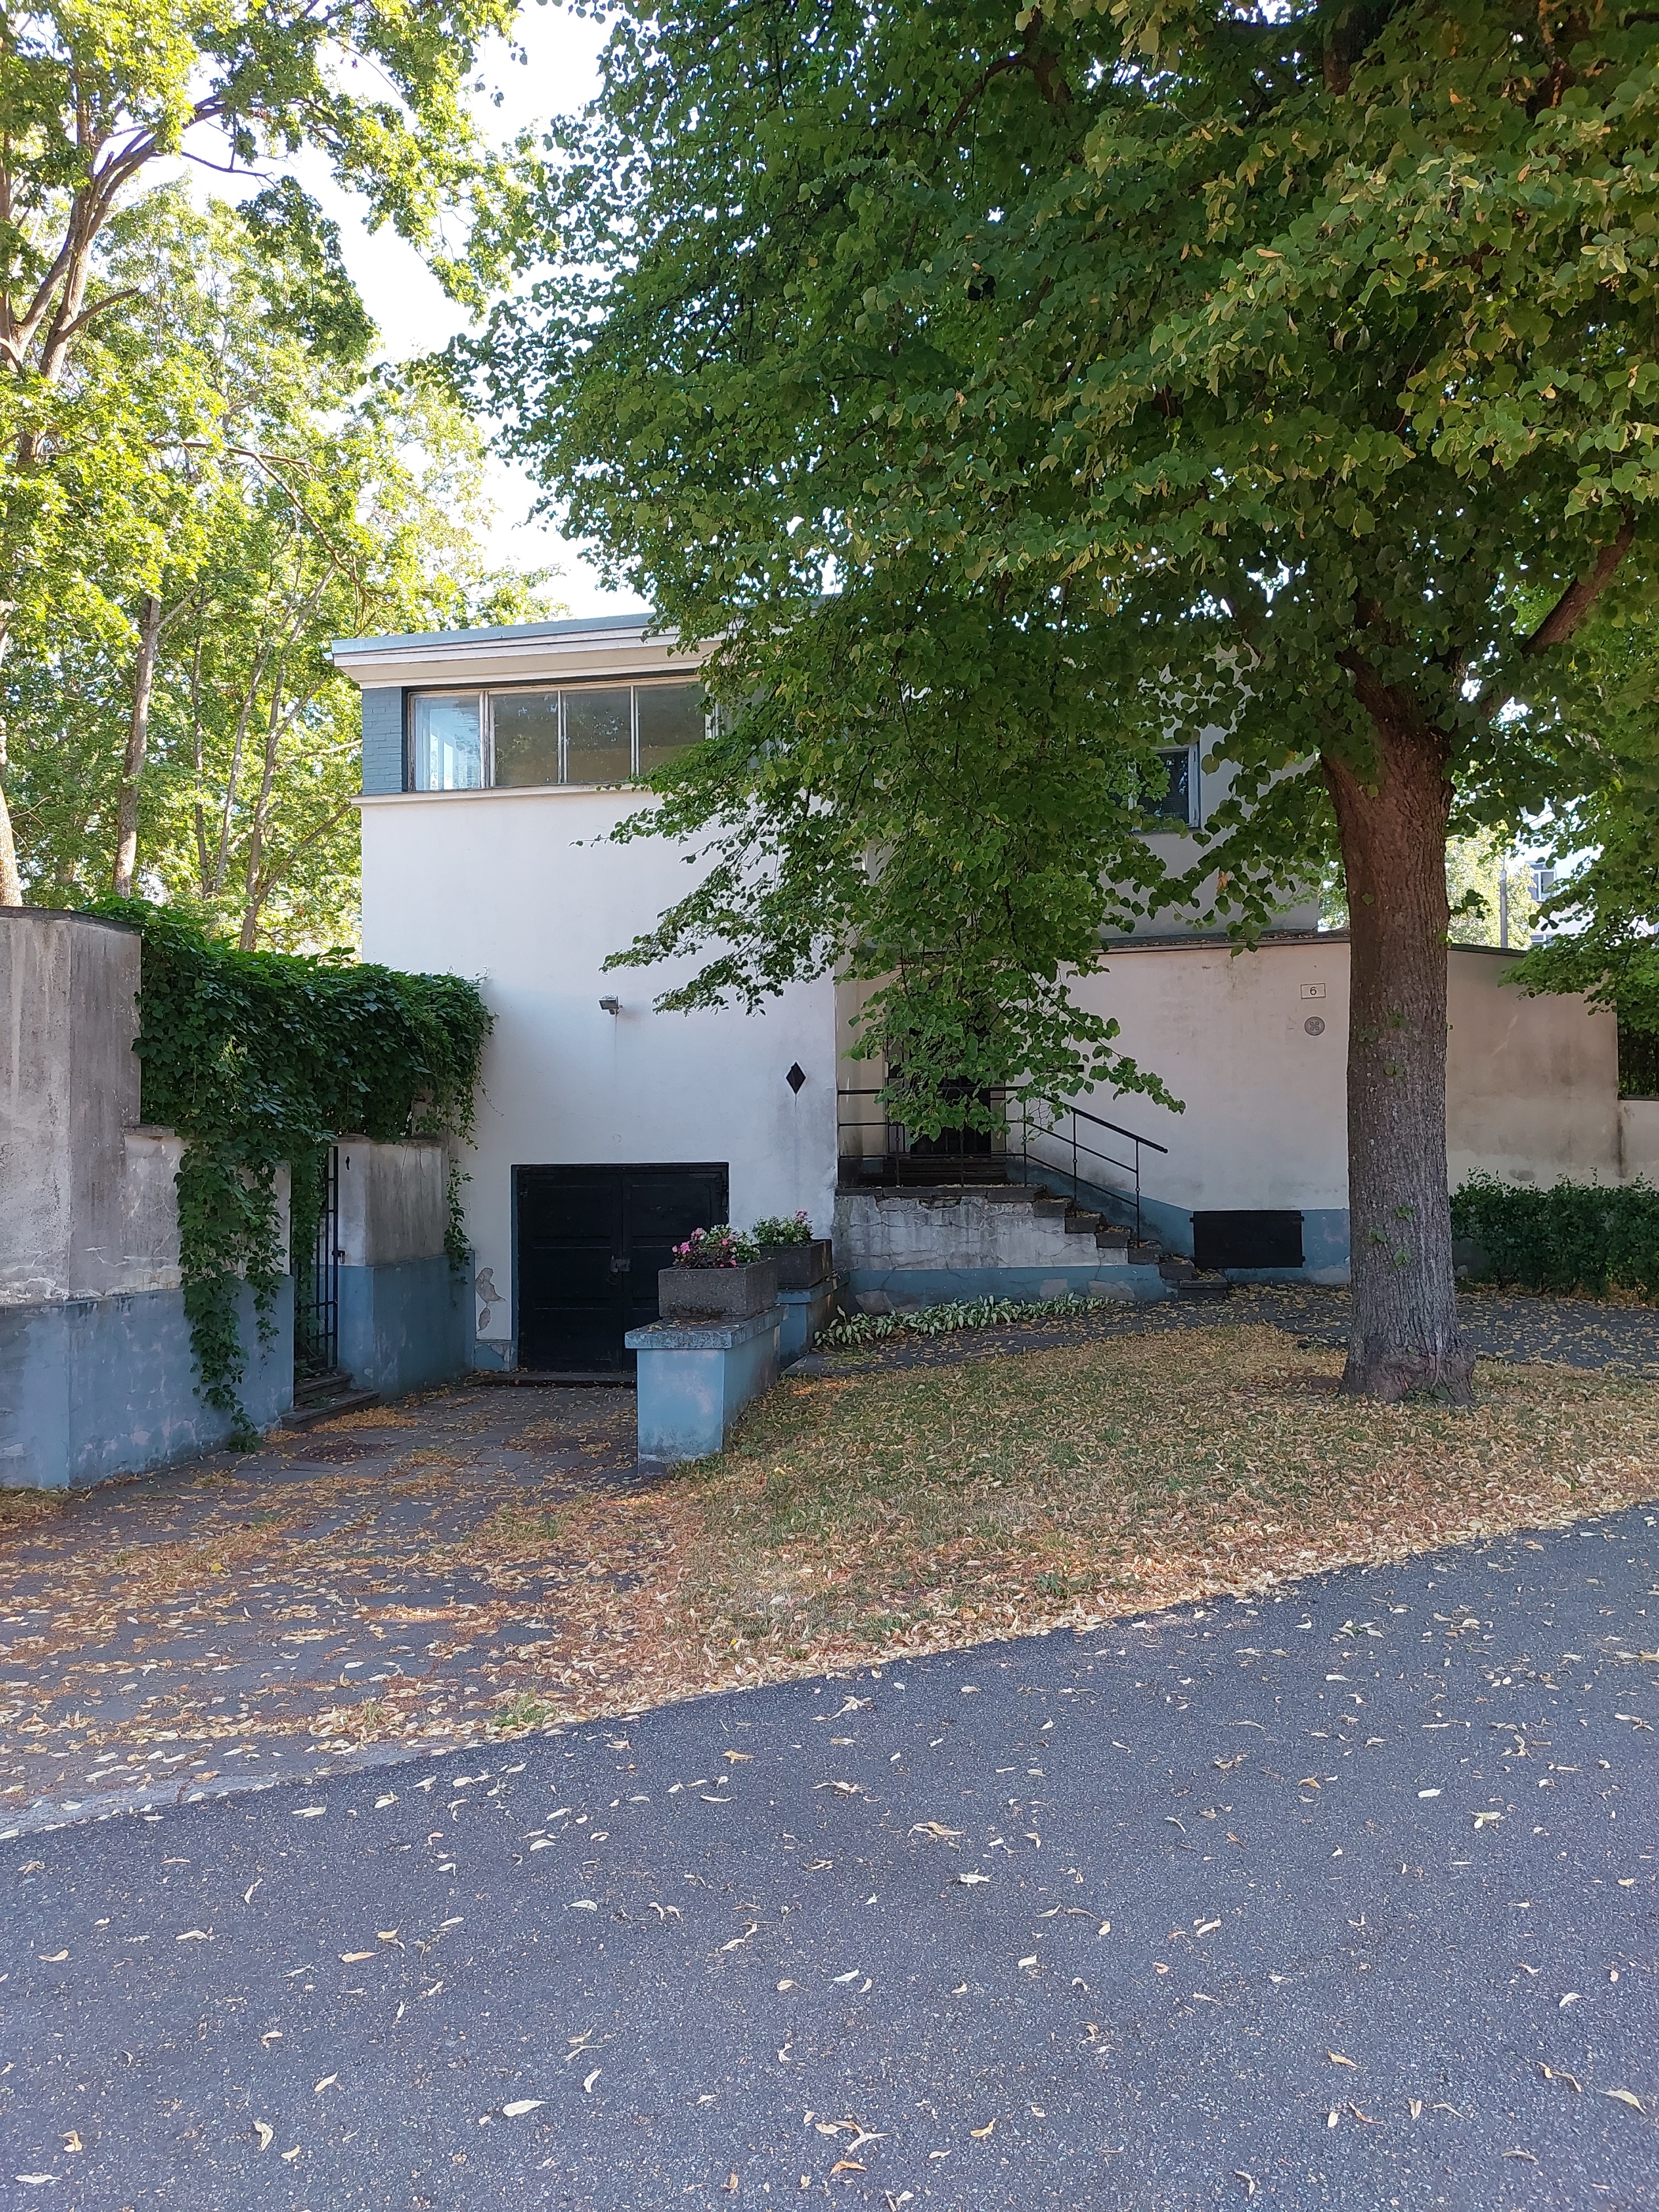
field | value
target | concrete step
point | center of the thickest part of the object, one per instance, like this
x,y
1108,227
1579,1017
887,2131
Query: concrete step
x,y
311,1389
1175,1269
534,1378
1112,1236
1146,1255
1079,1222
307,1415
1204,1290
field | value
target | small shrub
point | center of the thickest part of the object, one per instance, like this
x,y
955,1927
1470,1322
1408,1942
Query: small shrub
x,y
852,1330
722,1246
1591,1238
781,1229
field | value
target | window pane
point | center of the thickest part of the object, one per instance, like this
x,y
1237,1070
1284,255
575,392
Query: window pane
x,y
526,731
448,756
598,742
1173,803
671,719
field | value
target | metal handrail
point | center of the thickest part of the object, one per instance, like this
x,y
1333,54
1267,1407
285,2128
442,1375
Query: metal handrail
x,y
1080,1148
1082,1114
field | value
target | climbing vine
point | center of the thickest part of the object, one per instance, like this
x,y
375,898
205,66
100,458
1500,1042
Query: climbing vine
x,y
261,1059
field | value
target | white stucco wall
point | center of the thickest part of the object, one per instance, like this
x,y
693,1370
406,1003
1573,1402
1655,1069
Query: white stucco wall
x,y
1265,1113
522,891
1638,1140
391,1200
1532,1085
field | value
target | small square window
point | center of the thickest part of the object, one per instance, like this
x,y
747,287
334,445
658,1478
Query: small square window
x,y
671,719
446,741
525,726
1173,805
599,736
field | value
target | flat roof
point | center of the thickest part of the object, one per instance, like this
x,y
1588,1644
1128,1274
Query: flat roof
x,y
577,626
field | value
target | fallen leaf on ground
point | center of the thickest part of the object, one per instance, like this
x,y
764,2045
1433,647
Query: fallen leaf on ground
x,y
520,2105
979,2134
265,2132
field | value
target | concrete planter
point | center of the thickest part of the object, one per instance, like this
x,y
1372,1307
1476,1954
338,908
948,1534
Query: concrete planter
x,y
693,1380
802,1266
722,1294
805,1313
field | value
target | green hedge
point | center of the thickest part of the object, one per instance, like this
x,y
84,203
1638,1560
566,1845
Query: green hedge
x,y
1576,1236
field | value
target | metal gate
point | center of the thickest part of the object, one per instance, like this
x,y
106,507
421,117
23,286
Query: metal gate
x,y
317,1289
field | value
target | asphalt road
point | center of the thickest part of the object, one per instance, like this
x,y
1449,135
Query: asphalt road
x,y
1345,1897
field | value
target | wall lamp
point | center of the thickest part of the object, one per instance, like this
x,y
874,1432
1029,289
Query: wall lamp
x,y
611,1006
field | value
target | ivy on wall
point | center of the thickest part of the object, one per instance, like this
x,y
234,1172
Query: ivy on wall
x,y
259,1060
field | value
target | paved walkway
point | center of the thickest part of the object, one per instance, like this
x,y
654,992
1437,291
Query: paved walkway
x,y
1346,1897
222,1619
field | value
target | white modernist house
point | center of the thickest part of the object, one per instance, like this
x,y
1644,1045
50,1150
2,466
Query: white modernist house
x,y
495,764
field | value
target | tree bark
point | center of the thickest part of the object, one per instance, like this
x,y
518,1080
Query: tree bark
x,y
1394,852
11,883
132,769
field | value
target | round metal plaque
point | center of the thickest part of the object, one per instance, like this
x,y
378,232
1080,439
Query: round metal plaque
x,y
1315,1025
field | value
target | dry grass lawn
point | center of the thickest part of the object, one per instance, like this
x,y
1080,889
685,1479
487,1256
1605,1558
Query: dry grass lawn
x,y
855,1518
914,1510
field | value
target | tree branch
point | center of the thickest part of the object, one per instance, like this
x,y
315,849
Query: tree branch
x,y
1050,80
1567,614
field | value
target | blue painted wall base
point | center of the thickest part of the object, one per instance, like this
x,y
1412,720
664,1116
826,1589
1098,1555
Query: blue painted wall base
x,y
405,1327
91,1388
805,1313
694,1381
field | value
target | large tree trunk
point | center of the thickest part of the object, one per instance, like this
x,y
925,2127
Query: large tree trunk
x,y
1394,852
132,769
11,883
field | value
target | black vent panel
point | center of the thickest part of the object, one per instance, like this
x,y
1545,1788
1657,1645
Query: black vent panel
x,y
1255,1239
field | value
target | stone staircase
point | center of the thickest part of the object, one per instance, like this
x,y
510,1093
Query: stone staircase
x,y
929,1243
1192,1284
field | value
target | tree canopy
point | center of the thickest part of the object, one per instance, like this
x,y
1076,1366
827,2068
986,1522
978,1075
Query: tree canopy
x,y
94,96
1285,374
178,722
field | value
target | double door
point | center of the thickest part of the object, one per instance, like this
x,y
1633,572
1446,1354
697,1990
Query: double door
x,y
590,1242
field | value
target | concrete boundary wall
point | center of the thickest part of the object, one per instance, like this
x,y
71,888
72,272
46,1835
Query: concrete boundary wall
x,y
405,1314
98,1375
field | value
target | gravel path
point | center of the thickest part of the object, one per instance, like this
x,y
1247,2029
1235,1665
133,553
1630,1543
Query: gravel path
x,y
1499,1325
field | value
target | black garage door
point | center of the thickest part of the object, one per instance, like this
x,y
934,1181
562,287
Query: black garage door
x,y
589,1243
